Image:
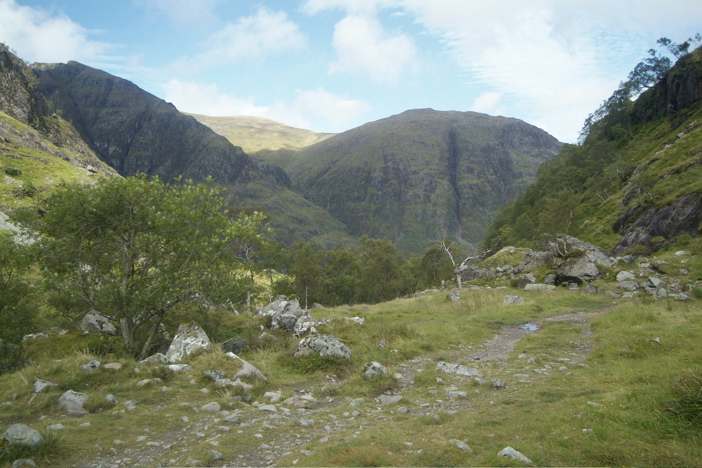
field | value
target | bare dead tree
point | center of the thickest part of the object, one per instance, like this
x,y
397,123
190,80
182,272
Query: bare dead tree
x,y
459,268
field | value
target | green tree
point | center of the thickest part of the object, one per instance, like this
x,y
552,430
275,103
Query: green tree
x,y
306,270
132,249
342,272
383,271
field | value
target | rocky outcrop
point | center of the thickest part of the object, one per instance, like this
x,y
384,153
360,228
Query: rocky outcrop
x,y
324,346
189,339
19,89
682,215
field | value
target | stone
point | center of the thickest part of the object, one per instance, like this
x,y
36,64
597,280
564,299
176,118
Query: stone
x,y
41,385
358,320
453,296
214,375
475,273
323,345
512,454
461,445
91,366
212,407
96,322
382,344
513,300
158,358
234,345
523,280
72,403
550,278
113,365
273,397
539,287
111,399
373,370
247,371
23,462
628,285
189,339
56,427
386,400
498,384
457,369
215,455
532,260
655,282
580,270
681,297
269,408
625,276
179,367
21,434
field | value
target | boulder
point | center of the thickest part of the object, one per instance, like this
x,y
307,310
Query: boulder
x,y
373,370
453,296
386,400
457,369
563,244
72,403
247,370
234,345
628,285
157,358
512,454
523,280
532,260
475,273
91,366
41,385
625,276
96,322
323,345
579,270
189,339
21,434
512,300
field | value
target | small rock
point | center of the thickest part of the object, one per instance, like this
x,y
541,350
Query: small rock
x,y
513,300
511,454
386,400
91,366
72,403
682,297
144,382
212,407
41,385
269,408
374,370
23,462
461,445
56,427
215,455
307,453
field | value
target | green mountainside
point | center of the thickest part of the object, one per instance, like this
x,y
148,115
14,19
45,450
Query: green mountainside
x,y
633,186
133,131
38,149
421,175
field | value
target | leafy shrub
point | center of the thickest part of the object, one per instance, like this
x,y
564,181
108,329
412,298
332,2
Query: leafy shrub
x,y
12,357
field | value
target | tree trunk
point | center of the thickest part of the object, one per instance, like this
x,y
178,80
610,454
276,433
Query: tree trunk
x,y
127,325
149,340
459,280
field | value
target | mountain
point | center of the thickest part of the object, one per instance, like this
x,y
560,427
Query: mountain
x,y
634,185
133,131
422,174
38,149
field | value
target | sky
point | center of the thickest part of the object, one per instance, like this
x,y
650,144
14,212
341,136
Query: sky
x,y
332,65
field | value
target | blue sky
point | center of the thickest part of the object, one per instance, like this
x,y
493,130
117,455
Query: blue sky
x,y
331,65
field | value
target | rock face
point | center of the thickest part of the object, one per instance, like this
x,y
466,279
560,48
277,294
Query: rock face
x,y
189,338
682,215
98,323
21,434
412,175
323,345
19,89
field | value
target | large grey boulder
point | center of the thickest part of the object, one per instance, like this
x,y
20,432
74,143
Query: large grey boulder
x,y
562,245
189,339
247,371
286,314
534,259
523,280
579,270
98,323
72,403
323,345
21,434
475,273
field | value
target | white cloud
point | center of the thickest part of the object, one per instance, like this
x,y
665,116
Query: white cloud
x,y
183,12
487,103
40,36
351,6
362,46
312,109
209,100
264,33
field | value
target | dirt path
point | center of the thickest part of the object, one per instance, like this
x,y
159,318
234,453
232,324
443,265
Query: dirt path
x,y
490,359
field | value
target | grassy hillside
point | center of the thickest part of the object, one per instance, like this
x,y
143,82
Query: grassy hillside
x,y
255,134
633,185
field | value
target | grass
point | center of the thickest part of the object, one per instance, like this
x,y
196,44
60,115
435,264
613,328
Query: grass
x,y
628,406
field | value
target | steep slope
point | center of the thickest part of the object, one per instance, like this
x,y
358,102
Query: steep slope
x,y
634,186
133,132
37,149
422,174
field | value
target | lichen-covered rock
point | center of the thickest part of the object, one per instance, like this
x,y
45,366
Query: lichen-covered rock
x,y
189,339
98,323
373,370
512,454
323,345
21,434
72,403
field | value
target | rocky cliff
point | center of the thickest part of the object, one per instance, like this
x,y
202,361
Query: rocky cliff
x,y
423,174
